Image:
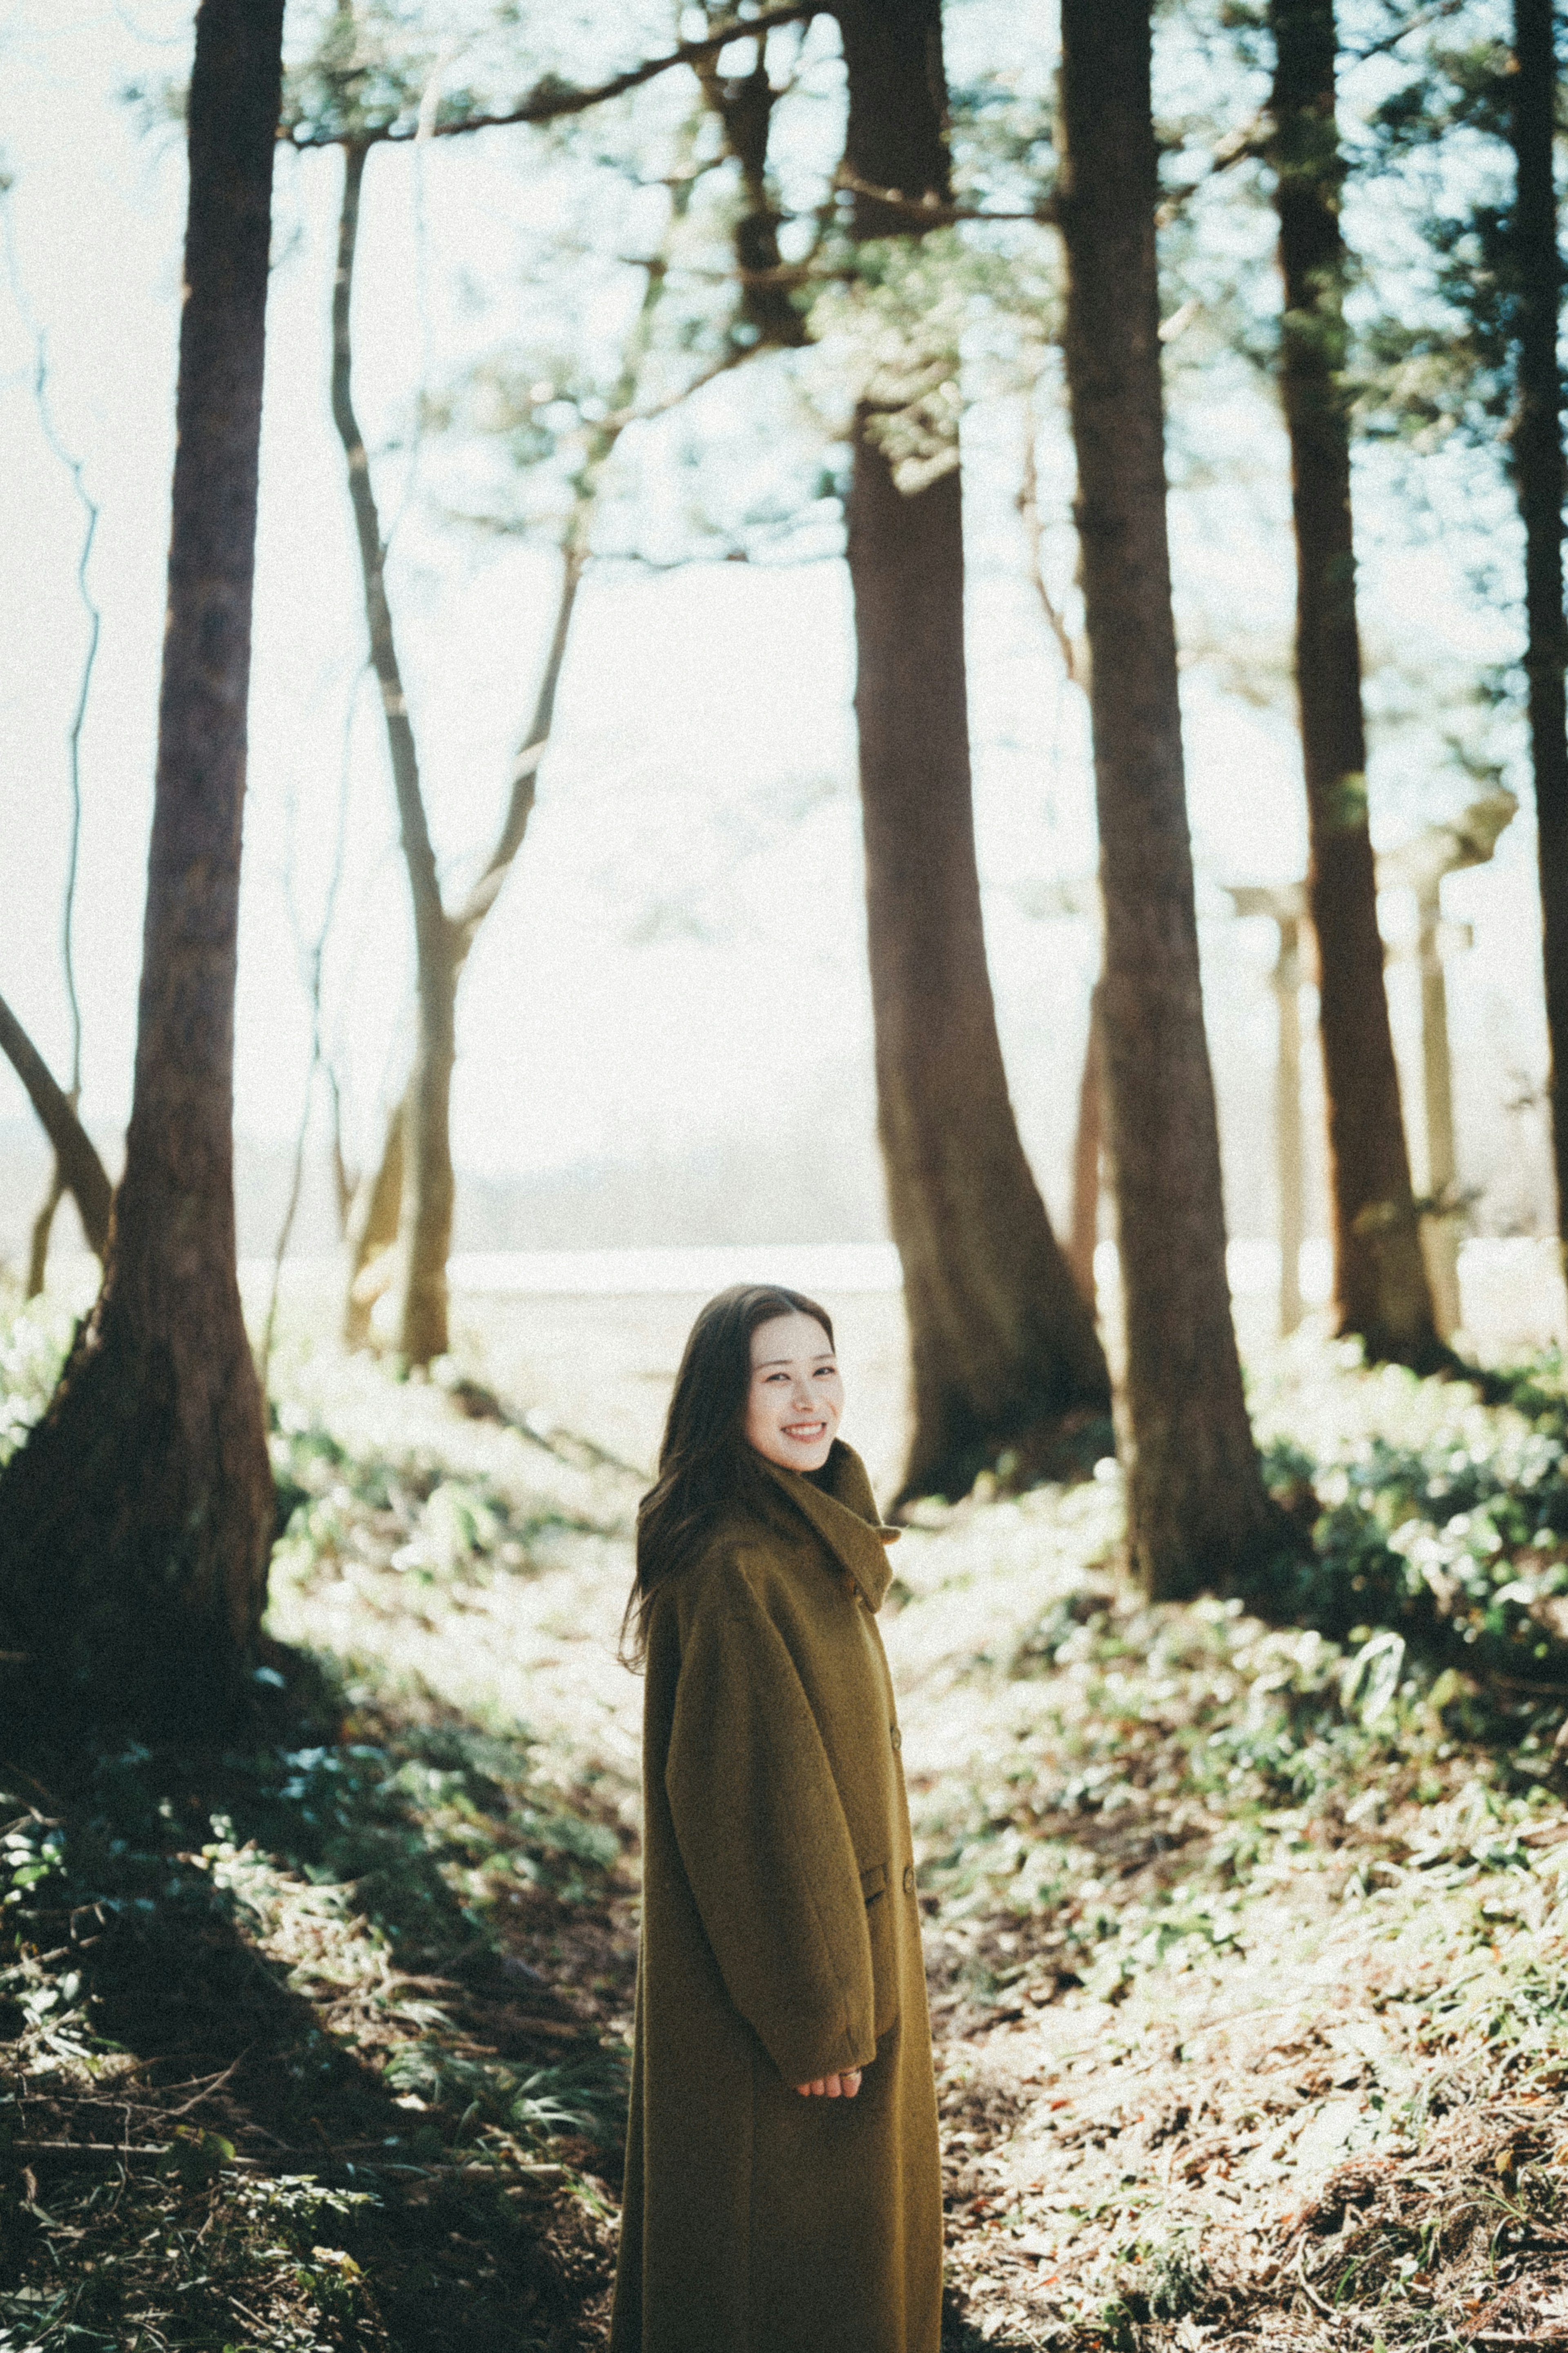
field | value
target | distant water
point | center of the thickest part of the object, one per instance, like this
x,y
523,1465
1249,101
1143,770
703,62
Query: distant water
x,y
1508,1277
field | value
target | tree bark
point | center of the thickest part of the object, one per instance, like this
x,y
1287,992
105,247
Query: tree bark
x,y
1198,1513
1289,1158
373,1222
1083,1223
1381,1290
136,1521
428,1187
415,1169
1440,1235
1003,1346
43,1227
1539,476
77,1168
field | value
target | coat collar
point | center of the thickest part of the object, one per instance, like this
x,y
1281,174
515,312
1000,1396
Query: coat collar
x,y
843,1510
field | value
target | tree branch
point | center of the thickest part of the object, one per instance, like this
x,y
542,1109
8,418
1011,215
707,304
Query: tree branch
x,y
1421,17
487,890
429,916
75,1152
931,212
312,958
76,467
1028,504
574,557
549,101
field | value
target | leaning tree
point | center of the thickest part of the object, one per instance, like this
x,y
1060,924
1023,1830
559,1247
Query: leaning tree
x,y
135,1521
77,1170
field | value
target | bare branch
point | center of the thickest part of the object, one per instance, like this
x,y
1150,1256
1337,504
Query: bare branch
x,y
734,356
312,955
931,212
487,890
75,1151
575,556
418,853
37,1259
551,100
43,1225
76,467
1249,144
1423,16
1028,504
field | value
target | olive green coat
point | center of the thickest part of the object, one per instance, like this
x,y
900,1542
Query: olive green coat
x,y
780,1943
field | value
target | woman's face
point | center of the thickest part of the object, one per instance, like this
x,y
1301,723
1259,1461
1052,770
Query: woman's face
x,y
796,1396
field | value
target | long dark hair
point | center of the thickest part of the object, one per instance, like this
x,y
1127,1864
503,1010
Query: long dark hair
x,y
704,1461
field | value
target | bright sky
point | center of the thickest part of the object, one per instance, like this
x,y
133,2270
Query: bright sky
x,y
679,951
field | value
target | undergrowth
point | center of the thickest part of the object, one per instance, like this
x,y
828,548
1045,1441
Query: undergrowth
x,y
1245,1923
282,1992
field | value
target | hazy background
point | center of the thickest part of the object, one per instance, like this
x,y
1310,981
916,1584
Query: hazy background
x,y
665,1029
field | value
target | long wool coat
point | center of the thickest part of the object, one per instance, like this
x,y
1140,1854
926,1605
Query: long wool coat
x,y
780,1943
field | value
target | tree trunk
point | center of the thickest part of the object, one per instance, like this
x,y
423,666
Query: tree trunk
x,y
1381,1292
1289,1158
1083,1225
428,1187
136,1521
415,1181
1440,1231
1003,1346
373,1219
1539,474
43,1227
1196,1510
77,1168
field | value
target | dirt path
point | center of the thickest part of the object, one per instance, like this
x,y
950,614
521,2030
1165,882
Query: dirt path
x,y
1250,2001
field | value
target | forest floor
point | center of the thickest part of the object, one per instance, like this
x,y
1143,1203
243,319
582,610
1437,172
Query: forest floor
x,y
1247,1942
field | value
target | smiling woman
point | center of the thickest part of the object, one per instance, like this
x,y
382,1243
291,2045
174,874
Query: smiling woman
x,y
796,1393
783,2188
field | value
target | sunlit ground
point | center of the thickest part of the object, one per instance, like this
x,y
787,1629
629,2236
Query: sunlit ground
x,y
1247,1963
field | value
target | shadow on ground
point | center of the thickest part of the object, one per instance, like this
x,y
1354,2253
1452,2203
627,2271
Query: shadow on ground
x,y
300,2002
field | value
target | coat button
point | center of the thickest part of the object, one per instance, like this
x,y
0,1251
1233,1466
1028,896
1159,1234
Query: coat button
x,y
908,1878
898,1737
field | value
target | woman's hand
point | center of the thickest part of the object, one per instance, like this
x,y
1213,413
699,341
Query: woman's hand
x,y
834,2087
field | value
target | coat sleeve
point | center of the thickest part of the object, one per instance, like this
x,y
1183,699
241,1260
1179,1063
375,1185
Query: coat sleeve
x,y
766,1845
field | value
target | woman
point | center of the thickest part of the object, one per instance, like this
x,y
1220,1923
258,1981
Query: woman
x,y
782,2186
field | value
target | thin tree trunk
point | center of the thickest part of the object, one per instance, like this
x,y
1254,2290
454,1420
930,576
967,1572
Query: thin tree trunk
x,y
428,1185
136,1521
371,1229
343,1185
1289,1159
78,1168
1539,474
1088,1138
43,1225
417,1166
1381,1290
1440,1233
1196,1510
1002,1343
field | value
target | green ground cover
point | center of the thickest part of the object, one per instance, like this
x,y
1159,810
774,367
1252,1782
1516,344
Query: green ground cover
x,y
1247,1949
